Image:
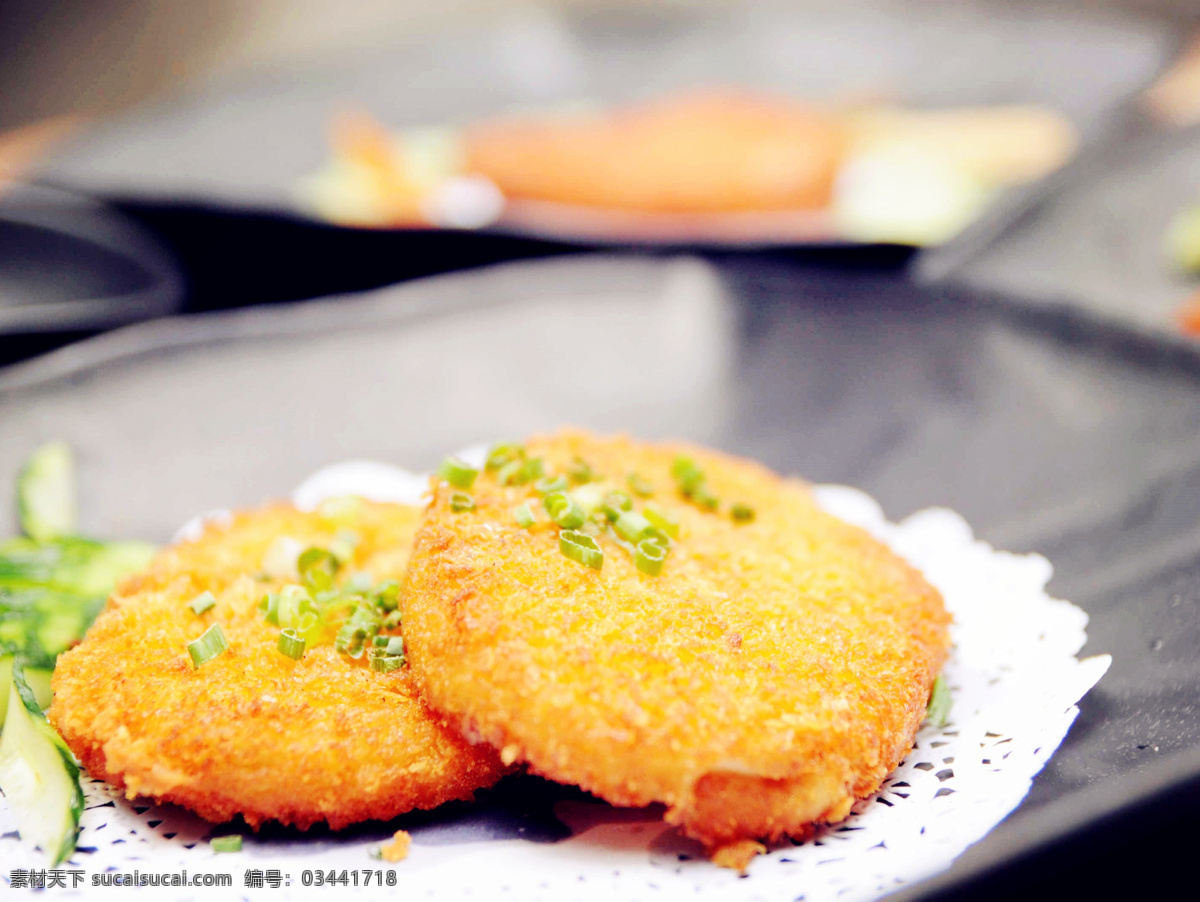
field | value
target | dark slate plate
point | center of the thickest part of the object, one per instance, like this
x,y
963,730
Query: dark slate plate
x,y
246,140
1094,239
1046,433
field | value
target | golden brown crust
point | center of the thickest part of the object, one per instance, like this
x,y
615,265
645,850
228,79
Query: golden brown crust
x,y
774,672
253,732
703,153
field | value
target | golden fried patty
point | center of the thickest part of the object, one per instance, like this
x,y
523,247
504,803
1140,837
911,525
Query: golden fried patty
x,y
774,671
710,152
253,732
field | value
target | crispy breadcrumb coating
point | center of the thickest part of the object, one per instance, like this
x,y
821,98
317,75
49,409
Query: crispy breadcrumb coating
x,y
253,732
774,672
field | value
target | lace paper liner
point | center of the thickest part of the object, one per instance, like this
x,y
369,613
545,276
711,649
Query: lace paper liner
x,y
1015,682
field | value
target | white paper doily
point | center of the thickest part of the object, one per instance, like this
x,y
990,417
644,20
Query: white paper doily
x,y
1015,682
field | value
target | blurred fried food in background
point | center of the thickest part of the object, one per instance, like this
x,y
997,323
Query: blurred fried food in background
x,y
708,152
696,165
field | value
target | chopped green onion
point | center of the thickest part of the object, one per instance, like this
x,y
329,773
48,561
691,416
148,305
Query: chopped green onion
x,y
660,518
631,526
581,471
504,453
291,645
269,605
580,548
563,510
210,644
507,474
940,702
615,503
650,556
547,485
703,497
523,514
639,485
386,663
296,609
318,568
387,595
362,627
202,602
226,843
531,469
741,513
687,473
590,497
381,641
457,473
461,501
395,645
392,620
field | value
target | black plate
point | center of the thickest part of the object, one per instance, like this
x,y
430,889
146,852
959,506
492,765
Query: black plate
x,y
1048,434
70,265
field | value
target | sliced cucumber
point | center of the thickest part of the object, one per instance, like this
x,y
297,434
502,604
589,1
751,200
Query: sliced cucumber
x,y
38,774
46,493
38,679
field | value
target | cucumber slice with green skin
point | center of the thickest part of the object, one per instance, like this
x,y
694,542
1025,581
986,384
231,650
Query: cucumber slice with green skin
x,y
38,774
46,493
38,679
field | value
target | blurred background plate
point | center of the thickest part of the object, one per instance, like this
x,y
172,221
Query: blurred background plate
x,y
1049,434
246,139
71,266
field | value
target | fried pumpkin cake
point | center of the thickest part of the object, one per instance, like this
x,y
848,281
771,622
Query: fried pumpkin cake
x,y
331,730
664,623
708,152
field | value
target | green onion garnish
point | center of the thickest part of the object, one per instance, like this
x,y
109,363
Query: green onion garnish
x,y
392,620
580,548
687,473
202,603
581,471
457,473
631,526
395,645
386,663
291,645
940,702
504,453
381,641
531,469
639,485
650,556
523,514
318,568
387,595
461,501
615,503
361,628
547,484
660,518
269,605
507,474
703,497
741,513
226,843
210,644
563,510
